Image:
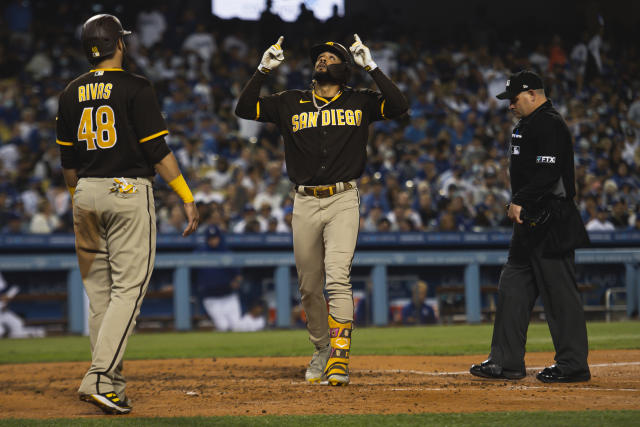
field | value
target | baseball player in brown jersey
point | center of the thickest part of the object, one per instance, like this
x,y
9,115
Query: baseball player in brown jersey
x,y
111,137
325,131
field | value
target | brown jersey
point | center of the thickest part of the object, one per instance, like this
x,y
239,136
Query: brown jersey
x,y
326,144
109,125
324,139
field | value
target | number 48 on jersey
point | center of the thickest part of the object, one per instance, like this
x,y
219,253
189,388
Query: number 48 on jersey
x,y
103,134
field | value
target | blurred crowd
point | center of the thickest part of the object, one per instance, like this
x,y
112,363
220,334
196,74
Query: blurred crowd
x,y
442,167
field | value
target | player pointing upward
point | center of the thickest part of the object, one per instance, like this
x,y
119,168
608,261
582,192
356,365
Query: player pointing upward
x,y
111,137
325,132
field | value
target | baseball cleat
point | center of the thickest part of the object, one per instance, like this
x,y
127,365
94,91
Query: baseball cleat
x,y
337,369
109,403
338,380
315,370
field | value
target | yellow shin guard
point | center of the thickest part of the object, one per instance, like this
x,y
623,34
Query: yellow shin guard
x,y
337,370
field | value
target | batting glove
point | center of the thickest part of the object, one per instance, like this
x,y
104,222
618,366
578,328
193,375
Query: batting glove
x,y
272,57
362,55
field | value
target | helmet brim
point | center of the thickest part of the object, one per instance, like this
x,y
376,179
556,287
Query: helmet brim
x,y
341,52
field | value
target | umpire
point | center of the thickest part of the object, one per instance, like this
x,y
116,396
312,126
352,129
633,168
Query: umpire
x,y
547,228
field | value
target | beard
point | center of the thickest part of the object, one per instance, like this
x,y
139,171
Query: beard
x,y
323,77
335,74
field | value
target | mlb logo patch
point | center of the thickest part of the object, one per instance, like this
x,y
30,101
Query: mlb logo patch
x,y
515,150
545,159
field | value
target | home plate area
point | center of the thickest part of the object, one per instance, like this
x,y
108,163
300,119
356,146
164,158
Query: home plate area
x,y
275,385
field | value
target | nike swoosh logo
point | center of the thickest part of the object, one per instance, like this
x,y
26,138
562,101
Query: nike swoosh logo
x,y
302,102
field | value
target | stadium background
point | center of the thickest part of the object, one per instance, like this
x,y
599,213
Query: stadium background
x,y
441,169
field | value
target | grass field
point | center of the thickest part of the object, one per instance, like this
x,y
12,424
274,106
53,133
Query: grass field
x,y
534,419
428,340
434,340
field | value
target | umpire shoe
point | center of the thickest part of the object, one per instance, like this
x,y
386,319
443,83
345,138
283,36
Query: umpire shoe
x,y
490,369
553,374
108,402
315,370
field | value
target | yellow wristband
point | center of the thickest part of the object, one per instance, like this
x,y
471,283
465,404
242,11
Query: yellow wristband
x,y
179,185
72,190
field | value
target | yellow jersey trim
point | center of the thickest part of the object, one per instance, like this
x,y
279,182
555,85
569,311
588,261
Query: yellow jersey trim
x,y
337,95
64,143
106,69
257,110
382,108
155,135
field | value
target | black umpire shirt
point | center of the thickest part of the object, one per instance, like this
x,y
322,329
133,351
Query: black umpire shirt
x,y
325,145
541,155
109,125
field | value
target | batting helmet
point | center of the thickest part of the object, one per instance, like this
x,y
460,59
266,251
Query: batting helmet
x,y
332,47
100,35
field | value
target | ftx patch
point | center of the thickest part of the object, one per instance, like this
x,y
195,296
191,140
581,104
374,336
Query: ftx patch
x,y
546,159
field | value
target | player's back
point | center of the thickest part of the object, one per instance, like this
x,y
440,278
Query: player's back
x,y
104,115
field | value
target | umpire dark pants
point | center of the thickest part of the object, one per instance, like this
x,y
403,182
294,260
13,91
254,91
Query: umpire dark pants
x,y
521,281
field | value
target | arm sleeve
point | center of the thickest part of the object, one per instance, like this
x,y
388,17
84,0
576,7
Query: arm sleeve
x,y
392,103
148,122
155,150
548,168
251,106
65,138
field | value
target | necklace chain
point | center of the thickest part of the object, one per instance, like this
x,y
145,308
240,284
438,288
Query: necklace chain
x,y
315,103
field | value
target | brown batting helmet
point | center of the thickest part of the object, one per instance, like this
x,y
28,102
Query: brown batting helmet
x,y
100,35
332,47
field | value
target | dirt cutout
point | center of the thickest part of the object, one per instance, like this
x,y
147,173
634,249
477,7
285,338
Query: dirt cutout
x,y
275,385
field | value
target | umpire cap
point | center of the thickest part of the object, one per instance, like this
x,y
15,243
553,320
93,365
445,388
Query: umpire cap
x,y
519,82
100,35
332,47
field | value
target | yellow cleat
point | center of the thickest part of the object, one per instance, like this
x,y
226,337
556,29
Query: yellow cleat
x,y
337,370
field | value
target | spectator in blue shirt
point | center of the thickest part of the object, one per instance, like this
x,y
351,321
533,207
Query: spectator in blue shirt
x,y
418,312
377,197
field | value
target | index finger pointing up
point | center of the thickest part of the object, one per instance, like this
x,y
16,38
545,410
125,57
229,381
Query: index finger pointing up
x,y
355,36
280,40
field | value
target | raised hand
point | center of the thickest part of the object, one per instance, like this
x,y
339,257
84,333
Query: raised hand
x,y
272,57
361,54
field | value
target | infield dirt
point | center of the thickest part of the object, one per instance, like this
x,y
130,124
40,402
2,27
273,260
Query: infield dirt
x,y
275,385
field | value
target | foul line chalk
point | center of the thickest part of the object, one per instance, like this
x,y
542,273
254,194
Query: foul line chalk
x,y
535,368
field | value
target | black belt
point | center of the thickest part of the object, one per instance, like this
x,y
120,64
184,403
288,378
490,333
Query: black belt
x,y
322,191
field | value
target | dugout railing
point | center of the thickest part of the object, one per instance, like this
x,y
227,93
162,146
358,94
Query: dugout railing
x,y
379,262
